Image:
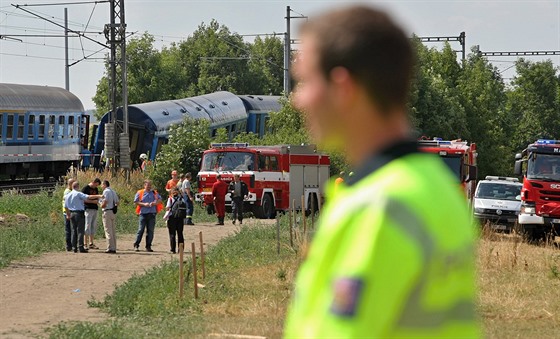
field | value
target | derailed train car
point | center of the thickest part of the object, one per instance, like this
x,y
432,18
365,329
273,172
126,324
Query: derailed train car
x,y
42,130
149,123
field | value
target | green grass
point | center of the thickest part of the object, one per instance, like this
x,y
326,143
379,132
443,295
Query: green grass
x,y
246,291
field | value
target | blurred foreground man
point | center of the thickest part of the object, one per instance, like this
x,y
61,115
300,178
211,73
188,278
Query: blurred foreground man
x,y
393,255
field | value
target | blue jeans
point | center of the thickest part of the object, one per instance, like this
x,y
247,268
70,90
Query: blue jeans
x,y
146,222
67,232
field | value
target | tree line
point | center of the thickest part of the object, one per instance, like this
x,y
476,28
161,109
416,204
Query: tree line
x,y
450,99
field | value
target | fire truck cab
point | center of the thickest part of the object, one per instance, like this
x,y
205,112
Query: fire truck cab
x,y
459,156
539,164
277,176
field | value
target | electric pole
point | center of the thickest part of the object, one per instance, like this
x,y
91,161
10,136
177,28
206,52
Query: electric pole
x,y
288,49
66,66
117,145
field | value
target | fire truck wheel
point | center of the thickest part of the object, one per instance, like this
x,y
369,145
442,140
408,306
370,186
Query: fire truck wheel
x,y
266,209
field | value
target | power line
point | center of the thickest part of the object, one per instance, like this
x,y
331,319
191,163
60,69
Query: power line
x,y
96,60
67,3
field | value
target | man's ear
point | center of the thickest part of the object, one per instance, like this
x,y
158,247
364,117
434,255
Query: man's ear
x,y
343,81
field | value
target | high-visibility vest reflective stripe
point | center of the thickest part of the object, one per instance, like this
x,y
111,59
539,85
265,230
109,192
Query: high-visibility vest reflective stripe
x,y
392,257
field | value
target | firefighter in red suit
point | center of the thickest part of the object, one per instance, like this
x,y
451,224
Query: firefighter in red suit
x,y
219,191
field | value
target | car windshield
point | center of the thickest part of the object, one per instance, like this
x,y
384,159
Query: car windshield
x,y
489,190
228,161
544,167
454,164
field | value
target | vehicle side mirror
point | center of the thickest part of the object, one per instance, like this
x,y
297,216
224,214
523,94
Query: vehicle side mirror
x,y
473,173
518,156
517,167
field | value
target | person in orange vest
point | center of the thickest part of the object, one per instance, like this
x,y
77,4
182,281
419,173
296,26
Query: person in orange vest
x,y
172,183
148,204
219,191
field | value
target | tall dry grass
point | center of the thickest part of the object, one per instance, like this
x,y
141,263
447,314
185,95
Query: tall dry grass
x,y
519,287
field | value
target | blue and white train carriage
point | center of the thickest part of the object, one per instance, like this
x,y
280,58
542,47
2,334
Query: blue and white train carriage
x,y
42,130
149,122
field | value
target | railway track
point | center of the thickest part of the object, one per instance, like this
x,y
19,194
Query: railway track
x,y
30,186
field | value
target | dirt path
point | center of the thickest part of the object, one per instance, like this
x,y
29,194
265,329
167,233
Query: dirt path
x,y
40,292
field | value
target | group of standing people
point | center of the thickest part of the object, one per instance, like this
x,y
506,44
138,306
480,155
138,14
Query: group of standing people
x,y
239,192
80,210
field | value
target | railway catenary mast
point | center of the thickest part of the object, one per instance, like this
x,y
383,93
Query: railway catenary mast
x,y
117,144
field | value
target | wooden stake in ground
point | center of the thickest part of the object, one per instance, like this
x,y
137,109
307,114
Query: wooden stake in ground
x,y
181,271
312,212
202,255
193,249
291,229
303,216
278,234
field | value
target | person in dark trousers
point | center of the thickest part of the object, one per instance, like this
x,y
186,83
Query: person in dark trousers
x,y
219,191
75,209
175,222
239,192
67,226
186,190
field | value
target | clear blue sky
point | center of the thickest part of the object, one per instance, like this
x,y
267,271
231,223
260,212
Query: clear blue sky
x,y
494,25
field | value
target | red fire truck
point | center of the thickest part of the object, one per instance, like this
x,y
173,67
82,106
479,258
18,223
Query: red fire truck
x,y
540,196
276,176
459,156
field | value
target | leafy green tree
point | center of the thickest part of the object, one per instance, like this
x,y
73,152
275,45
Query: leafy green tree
x,y
481,91
434,105
533,103
183,153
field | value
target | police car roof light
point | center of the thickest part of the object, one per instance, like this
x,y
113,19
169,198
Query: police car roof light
x,y
493,177
547,142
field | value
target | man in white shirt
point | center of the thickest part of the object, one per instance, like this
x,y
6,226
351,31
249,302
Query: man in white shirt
x,y
109,203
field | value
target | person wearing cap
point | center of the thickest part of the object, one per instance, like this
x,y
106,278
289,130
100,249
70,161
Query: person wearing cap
x,y
172,183
384,263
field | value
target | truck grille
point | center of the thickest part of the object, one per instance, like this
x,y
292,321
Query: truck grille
x,y
549,195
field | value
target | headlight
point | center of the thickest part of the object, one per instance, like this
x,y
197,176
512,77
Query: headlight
x,y
479,210
528,210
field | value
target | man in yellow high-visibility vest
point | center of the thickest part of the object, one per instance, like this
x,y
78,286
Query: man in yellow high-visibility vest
x,y
394,252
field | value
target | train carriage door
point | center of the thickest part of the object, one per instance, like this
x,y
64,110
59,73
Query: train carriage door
x,y
84,130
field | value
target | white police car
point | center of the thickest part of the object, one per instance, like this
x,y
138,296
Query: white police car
x,y
498,200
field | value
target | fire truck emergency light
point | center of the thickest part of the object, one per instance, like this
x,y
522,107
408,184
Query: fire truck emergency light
x,y
230,144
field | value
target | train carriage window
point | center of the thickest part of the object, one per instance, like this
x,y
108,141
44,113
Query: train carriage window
x,y
51,126
31,127
71,127
41,130
1,124
61,127
10,126
21,126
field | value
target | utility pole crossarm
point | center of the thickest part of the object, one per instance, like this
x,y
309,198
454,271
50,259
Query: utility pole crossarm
x,y
520,53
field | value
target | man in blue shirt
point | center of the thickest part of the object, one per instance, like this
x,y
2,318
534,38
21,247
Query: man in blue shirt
x,y
146,201
75,208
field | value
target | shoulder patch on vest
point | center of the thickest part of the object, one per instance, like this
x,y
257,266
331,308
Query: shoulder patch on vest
x,y
346,295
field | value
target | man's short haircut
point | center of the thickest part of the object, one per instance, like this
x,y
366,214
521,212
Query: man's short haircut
x,y
219,176
188,175
106,183
97,181
369,44
147,181
76,185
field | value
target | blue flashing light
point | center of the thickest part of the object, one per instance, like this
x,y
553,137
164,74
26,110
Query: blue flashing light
x,y
547,142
